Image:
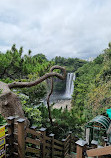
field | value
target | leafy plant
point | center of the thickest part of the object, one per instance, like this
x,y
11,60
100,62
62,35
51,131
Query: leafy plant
x,y
2,120
1,91
31,112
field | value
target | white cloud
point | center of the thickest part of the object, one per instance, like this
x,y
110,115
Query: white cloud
x,y
67,28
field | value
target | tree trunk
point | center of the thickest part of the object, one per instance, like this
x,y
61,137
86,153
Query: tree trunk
x,y
10,104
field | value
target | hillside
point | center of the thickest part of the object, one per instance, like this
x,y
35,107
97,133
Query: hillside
x,y
71,65
92,91
15,66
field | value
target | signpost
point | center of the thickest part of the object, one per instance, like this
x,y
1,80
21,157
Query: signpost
x,y
2,142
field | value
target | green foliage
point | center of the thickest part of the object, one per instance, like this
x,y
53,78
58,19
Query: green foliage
x,y
59,86
1,91
2,120
63,121
35,93
31,112
15,66
92,90
71,65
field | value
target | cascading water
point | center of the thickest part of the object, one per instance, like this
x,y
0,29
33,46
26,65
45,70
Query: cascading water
x,y
69,85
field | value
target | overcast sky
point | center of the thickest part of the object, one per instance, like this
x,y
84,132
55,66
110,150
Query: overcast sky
x,y
68,28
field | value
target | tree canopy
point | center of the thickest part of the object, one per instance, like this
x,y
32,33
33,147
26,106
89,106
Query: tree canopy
x,y
92,94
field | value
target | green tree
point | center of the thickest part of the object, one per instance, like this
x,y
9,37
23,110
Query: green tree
x,y
91,96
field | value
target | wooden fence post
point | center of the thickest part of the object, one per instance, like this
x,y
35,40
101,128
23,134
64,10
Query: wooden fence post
x,y
52,144
21,138
63,155
70,146
33,136
80,148
10,121
79,151
43,142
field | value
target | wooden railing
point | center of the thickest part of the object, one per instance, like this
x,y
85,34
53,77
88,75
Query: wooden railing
x,y
103,151
22,142
83,150
25,142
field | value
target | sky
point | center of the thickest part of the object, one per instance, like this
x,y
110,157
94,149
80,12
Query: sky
x,y
67,28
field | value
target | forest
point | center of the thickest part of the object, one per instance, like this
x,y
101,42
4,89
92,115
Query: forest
x,y
14,66
92,92
91,95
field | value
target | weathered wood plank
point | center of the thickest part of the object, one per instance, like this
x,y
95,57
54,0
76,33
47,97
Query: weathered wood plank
x,y
48,138
43,142
16,154
58,147
66,143
58,142
79,151
68,137
48,145
52,145
21,138
32,150
30,157
47,151
15,135
57,153
67,148
32,141
16,127
99,151
31,131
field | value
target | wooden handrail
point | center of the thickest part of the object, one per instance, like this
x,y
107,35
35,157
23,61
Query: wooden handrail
x,y
99,151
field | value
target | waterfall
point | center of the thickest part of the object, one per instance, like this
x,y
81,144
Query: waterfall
x,y
69,84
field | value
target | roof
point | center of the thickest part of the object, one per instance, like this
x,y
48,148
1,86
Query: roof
x,y
99,121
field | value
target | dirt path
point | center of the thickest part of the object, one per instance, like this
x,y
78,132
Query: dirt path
x,y
63,104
